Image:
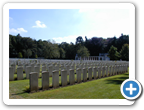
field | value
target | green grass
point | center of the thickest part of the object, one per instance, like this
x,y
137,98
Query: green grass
x,y
104,88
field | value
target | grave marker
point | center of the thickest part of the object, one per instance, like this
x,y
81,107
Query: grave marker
x,y
78,72
90,73
28,70
94,72
71,76
11,73
55,79
64,77
33,76
19,73
45,80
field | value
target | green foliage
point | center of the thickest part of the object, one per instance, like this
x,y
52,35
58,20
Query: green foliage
x,y
36,56
20,55
83,51
29,53
49,49
125,52
113,54
62,53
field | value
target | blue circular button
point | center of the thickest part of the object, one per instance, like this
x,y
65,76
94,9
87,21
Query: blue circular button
x,y
131,89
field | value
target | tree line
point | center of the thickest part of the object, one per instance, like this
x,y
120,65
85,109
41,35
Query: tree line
x,y
26,47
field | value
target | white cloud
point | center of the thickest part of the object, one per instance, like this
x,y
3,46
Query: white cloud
x,y
39,24
10,18
68,39
18,30
104,22
86,10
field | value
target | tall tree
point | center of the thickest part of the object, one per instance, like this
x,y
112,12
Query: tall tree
x,y
20,55
50,50
123,39
62,53
79,40
29,53
125,52
83,52
113,54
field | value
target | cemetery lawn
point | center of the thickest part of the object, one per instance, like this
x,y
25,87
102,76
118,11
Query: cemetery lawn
x,y
104,88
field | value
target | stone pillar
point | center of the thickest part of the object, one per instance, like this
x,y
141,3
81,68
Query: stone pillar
x,y
106,68
123,68
127,67
28,70
32,67
62,67
109,70
78,72
72,67
71,76
11,73
33,76
112,70
112,67
43,68
55,79
84,74
25,67
45,80
116,70
99,72
90,73
103,71
50,71
37,64
20,73
64,77
94,72
67,68
14,67
37,70
57,68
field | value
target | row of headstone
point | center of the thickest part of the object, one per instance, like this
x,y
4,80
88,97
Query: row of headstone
x,y
95,72
49,67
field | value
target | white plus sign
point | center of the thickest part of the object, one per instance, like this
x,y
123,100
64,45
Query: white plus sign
x,y
131,89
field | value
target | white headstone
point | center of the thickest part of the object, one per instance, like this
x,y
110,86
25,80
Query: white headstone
x,y
33,76
55,79
45,80
63,77
19,73
71,77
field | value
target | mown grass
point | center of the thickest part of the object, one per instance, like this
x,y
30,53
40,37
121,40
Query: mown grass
x,y
104,88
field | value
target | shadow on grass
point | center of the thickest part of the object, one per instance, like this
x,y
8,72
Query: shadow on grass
x,y
118,80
